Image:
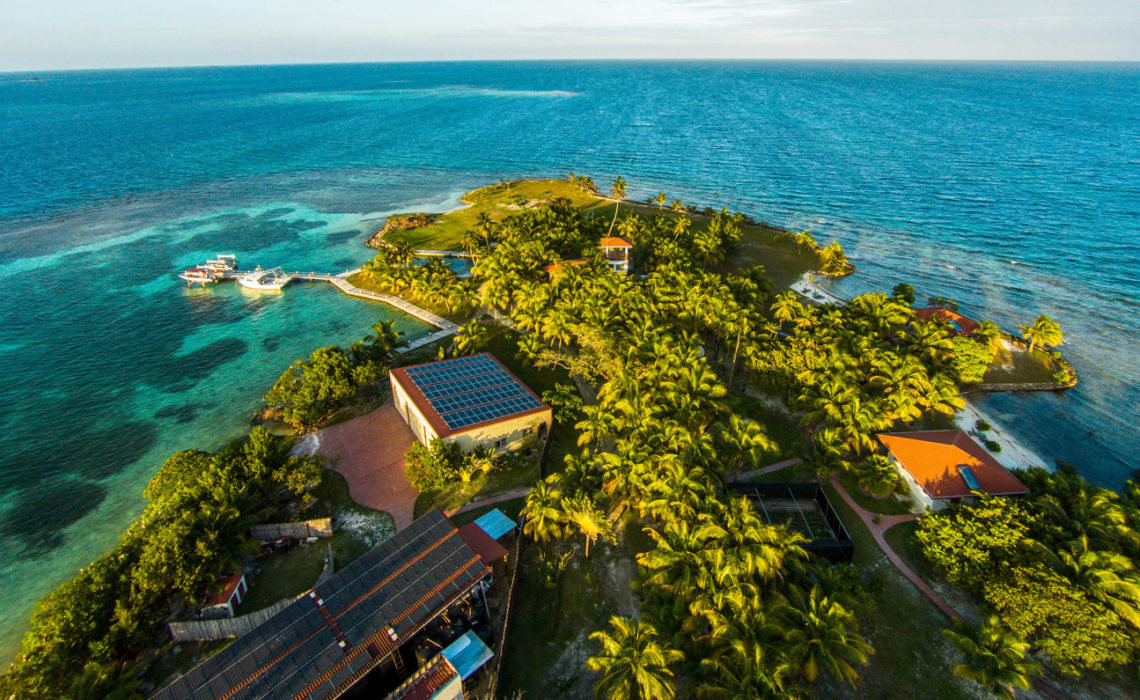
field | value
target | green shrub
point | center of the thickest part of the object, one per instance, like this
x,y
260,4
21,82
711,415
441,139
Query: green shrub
x,y
982,425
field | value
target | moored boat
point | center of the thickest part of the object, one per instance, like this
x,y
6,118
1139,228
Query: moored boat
x,y
273,279
222,263
200,275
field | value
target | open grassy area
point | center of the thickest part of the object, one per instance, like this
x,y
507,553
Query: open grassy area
x,y
759,246
912,658
1020,367
548,640
902,539
886,506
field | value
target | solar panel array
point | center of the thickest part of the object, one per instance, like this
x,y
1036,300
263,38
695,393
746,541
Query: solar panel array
x,y
468,390
410,577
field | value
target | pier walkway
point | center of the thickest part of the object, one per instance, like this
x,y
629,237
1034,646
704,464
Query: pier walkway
x,y
341,282
445,327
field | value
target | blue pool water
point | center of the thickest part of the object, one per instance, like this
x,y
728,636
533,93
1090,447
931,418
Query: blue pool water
x,y
1013,188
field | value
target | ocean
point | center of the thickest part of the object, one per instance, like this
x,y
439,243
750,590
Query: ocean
x,y
1012,188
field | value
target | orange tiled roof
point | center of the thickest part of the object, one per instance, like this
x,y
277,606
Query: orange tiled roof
x,y
965,326
557,267
932,457
614,242
439,673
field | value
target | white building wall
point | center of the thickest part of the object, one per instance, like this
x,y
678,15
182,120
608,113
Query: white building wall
x,y
917,494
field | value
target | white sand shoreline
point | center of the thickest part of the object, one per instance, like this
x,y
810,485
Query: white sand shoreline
x,y
1013,455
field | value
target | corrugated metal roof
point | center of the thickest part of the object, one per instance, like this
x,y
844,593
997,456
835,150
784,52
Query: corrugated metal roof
x,y
403,583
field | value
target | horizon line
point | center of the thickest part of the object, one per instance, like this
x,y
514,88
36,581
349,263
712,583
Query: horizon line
x,y
1024,61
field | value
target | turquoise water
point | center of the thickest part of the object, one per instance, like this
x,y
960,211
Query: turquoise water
x,y
1010,187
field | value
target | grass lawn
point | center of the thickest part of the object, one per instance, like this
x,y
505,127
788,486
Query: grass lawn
x,y
548,639
520,471
902,539
886,506
1020,367
356,528
784,262
911,658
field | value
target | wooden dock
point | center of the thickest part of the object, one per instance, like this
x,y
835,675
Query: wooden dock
x,y
341,282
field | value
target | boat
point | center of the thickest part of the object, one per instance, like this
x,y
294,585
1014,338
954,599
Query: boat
x,y
222,263
273,279
200,275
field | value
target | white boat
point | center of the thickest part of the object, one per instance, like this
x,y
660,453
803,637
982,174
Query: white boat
x,y
222,263
200,275
273,279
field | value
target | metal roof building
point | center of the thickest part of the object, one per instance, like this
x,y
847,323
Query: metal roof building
x,y
471,400
326,641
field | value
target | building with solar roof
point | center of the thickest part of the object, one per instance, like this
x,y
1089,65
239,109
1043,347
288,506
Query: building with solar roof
x,y
360,622
473,401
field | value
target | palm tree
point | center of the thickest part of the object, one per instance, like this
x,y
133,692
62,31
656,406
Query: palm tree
x,y
1108,577
677,205
786,308
584,515
633,664
1044,331
746,442
659,199
877,476
617,191
824,635
544,517
996,659
470,337
805,238
485,226
384,340
988,333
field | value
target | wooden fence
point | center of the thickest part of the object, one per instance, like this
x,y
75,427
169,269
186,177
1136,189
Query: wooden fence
x,y
321,527
226,627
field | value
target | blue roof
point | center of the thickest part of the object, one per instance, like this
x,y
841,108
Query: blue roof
x,y
496,523
467,654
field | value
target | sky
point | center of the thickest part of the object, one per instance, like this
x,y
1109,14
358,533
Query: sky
x,y
65,34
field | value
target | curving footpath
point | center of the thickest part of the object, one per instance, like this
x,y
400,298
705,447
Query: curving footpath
x,y
877,530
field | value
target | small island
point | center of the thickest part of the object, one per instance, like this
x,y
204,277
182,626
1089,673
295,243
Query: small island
x,y
647,455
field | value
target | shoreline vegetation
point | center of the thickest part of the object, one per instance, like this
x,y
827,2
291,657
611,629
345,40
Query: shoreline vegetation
x,y
674,380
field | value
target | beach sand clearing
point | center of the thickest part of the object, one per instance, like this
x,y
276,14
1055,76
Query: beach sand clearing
x,y
369,452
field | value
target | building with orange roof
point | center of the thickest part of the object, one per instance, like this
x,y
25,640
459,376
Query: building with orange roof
x,y
959,324
559,267
615,251
945,466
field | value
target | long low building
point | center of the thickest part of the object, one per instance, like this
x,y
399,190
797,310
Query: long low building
x,y
357,620
473,401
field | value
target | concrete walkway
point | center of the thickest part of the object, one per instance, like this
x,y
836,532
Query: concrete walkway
x,y
498,498
341,282
886,522
755,473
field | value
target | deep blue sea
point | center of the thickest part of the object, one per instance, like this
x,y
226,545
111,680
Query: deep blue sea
x,y
1013,188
